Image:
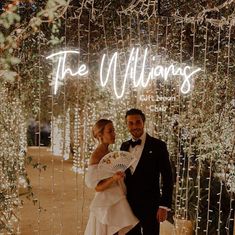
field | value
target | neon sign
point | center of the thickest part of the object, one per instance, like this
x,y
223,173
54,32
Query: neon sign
x,y
62,70
138,78
137,69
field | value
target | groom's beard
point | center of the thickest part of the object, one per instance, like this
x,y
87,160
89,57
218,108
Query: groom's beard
x,y
137,133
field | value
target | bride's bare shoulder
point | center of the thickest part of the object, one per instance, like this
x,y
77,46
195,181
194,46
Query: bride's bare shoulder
x,y
98,153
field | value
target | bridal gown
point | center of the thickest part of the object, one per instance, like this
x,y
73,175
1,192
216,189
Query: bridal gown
x,y
109,210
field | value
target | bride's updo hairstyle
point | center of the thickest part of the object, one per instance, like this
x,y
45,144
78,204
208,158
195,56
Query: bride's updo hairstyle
x,y
99,126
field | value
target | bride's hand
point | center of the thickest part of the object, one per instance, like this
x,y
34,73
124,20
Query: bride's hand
x,y
118,175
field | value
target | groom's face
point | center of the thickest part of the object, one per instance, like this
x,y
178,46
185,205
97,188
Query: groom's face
x,y
135,125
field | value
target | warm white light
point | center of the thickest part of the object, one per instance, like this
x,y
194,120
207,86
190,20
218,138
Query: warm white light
x,y
62,70
139,79
112,66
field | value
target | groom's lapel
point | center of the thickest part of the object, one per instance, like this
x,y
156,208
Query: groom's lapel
x,y
146,150
125,147
147,146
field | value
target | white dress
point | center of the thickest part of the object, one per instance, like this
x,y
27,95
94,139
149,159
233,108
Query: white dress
x,y
109,210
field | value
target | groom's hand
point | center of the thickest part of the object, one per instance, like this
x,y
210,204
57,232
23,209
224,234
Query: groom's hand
x,y
161,214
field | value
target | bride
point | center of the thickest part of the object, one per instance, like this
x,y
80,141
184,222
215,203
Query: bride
x,y
110,212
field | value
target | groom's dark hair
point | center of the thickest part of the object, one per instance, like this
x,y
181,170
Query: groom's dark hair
x,y
135,112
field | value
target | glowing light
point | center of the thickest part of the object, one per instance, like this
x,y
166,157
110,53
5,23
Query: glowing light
x,y
152,72
62,70
137,70
113,64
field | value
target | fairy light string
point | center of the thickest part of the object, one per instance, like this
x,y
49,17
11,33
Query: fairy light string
x,y
176,125
220,207
138,41
170,112
215,124
203,108
209,194
129,42
167,86
104,34
65,126
76,147
77,168
119,64
157,30
57,150
52,165
197,186
84,156
230,220
22,150
211,155
132,43
119,48
189,179
200,145
193,185
138,28
22,170
181,159
39,141
77,122
152,84
228,62
86,127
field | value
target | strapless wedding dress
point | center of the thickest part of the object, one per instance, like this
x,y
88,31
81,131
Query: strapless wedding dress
x,y
109,210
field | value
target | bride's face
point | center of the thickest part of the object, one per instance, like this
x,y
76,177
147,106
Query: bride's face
x,y
108,136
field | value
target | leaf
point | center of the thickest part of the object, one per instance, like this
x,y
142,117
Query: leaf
x,y
8,75
36,21
14,60
12,18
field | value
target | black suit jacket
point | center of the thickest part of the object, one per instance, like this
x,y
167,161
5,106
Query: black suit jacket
x,y
143,187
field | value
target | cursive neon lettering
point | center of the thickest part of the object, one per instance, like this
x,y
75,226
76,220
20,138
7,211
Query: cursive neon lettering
x,y
137,70
62,70
152,73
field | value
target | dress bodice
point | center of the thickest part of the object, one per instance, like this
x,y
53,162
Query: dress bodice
x,y
109,210
109,196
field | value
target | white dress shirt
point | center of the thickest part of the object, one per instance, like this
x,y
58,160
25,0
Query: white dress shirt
x,y
137,151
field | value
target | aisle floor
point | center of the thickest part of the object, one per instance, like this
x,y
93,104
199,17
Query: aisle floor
x,y
63,198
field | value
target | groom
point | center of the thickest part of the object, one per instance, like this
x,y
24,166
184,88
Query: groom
x,y
143,184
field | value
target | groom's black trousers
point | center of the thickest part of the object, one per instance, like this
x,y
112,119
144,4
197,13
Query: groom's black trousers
x,y
148,223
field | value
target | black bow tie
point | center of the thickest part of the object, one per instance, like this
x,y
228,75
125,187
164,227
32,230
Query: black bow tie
x,y
134,143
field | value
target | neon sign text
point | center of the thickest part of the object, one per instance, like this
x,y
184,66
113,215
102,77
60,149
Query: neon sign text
x,y
140,69
62,70
138,77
